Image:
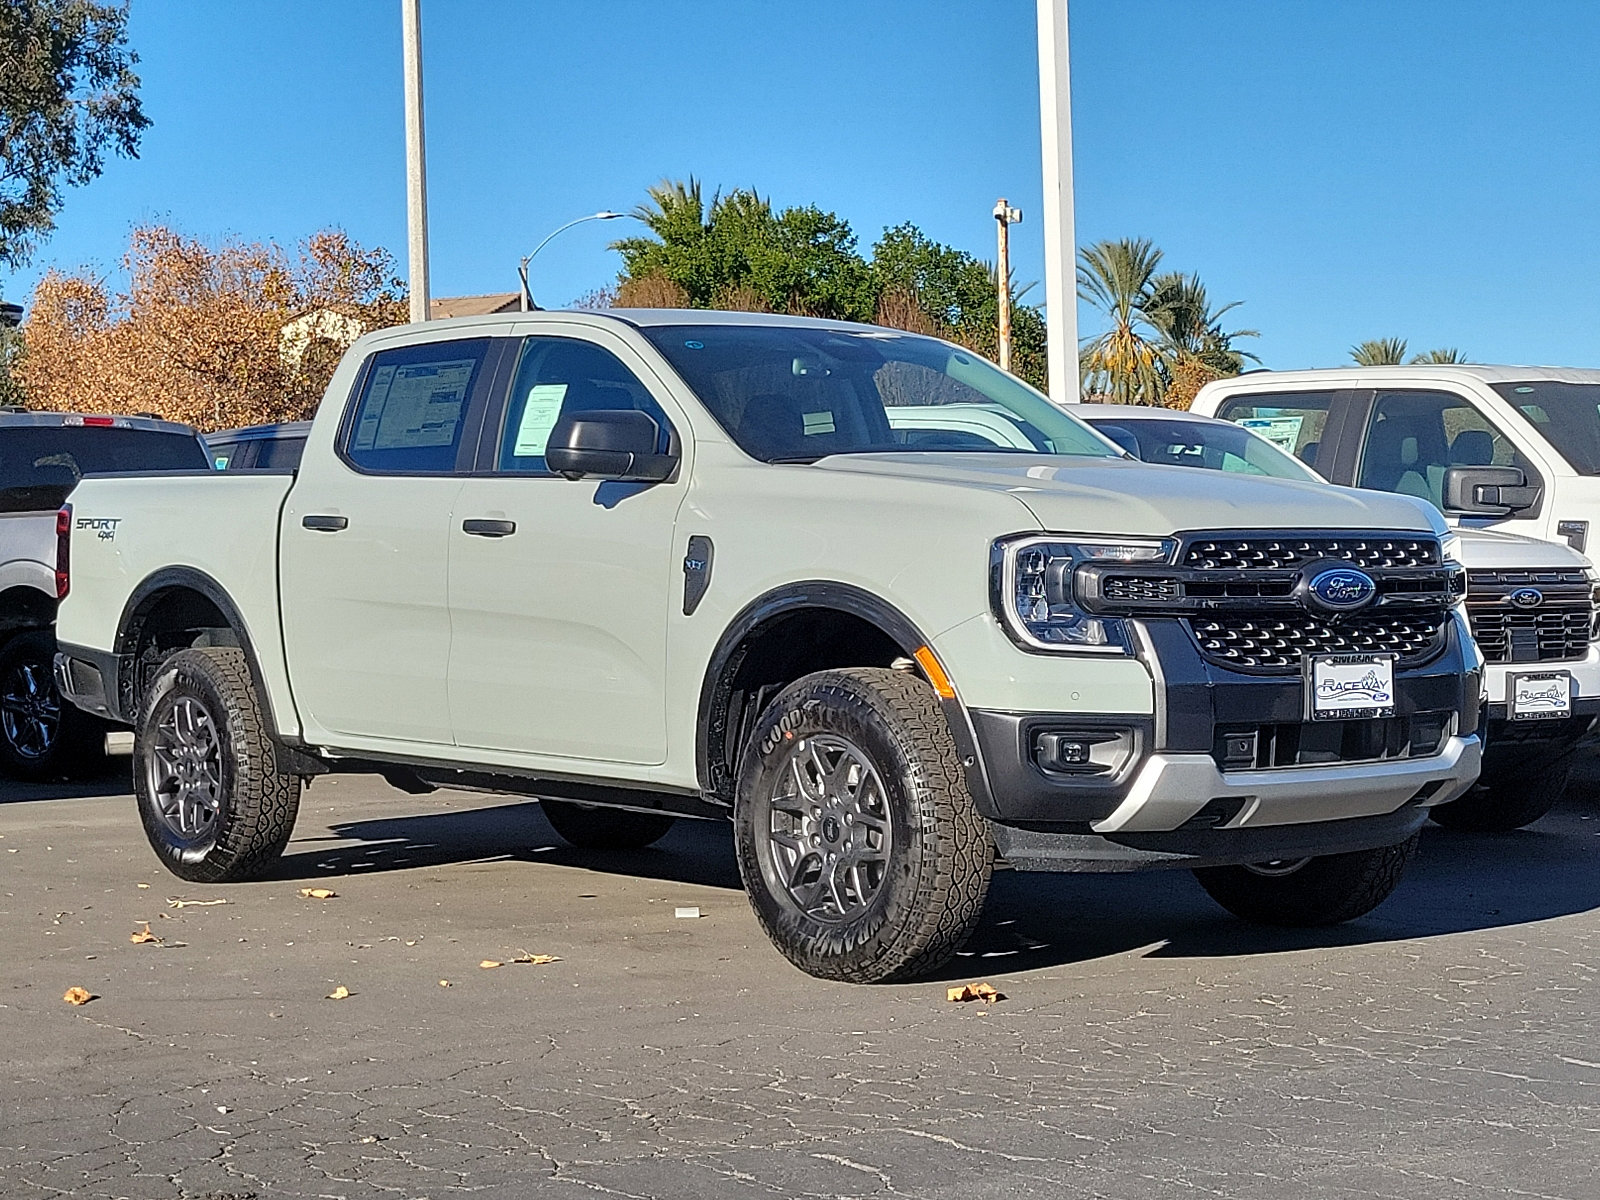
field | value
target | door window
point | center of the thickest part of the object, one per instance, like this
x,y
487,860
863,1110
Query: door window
x,y
558,377
412,410
1414,437
1292,421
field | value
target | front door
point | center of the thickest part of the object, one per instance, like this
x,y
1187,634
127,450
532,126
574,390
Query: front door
x,y
559,589
365,544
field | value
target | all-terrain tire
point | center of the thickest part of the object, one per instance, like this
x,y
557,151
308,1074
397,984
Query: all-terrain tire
x,y
43,735
905,913
256,804
1507,800
1327,890
590,828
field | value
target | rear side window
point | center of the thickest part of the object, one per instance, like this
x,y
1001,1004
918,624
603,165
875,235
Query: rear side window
x,y
1291,421
412,408
226,454
279,453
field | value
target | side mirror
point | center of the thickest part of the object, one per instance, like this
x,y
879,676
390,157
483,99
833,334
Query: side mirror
x,y
617,444
1488,491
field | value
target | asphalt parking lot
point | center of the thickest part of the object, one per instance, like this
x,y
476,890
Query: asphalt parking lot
x,y
1149,1045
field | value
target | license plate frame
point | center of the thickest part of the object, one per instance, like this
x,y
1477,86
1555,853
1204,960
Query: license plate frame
x,y
1349,687
1539,695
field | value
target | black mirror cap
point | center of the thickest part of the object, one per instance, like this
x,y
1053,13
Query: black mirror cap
x,y
1488,491
617,444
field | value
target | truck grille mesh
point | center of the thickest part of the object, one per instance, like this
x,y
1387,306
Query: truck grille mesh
x,y
1274,644
1558,630
1278,554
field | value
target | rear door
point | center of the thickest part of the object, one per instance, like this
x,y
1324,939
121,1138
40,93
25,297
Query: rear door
x,y
365,546
559,588
1311,424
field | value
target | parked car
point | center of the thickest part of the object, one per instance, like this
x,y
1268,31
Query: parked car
x,y
1530,600
653,564
259,447
42,458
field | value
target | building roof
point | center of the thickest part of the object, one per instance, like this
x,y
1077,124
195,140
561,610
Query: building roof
x,y
443,307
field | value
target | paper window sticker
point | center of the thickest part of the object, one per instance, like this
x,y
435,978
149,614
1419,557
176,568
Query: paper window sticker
x,y
817,422
539,416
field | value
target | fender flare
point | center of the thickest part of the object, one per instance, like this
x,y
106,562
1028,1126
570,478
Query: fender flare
x,y
818,594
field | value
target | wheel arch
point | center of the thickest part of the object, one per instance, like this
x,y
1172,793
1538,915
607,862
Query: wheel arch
x,y
788,632
24,607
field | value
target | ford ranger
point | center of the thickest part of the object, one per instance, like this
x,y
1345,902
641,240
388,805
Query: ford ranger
x,y
653,564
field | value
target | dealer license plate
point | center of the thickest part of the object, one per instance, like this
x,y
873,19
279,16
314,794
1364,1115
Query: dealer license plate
x,y
1347,687
1539,696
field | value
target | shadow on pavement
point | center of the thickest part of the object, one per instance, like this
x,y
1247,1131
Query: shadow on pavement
x,y
1457,883
117,782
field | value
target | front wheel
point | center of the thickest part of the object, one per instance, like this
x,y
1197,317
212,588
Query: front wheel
x,y
859,846
1309,892
1507,800
213,803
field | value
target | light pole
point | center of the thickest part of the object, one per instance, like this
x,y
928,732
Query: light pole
x,y
522,267
1005,216
416,169
1060,246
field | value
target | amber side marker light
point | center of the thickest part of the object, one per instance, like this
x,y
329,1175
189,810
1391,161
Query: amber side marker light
x,y
935,673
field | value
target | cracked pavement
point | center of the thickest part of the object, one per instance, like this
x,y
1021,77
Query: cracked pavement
x,y
1150,1045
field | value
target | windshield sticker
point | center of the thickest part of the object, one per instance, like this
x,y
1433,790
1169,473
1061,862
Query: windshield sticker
x,y
817,422
539,416
1282,432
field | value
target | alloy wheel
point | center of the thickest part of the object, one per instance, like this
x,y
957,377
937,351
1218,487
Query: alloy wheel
x,y
30,710
184,769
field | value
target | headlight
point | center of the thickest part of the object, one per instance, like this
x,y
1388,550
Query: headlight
x,y
1035,596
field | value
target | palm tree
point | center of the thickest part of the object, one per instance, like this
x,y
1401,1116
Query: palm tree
x,y
1379,352
1190,328
1124,362
1442,357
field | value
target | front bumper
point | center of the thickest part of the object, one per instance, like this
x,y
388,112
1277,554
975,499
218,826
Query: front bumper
x,y
1180,792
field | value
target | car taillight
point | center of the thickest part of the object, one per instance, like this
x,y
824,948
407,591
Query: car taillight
x,y
63,551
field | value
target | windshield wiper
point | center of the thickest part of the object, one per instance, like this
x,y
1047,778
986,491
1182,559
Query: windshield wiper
x,y
791,459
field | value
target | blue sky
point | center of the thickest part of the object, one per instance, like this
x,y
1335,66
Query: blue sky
x,y
1358,169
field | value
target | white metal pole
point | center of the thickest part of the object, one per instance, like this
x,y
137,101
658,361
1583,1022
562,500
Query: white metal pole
x,y
1060,242
416,164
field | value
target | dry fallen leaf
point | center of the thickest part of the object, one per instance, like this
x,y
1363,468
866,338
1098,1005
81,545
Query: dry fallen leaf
x,y
445,983
78,995
339,993
489,964
537,960
973,991
139,937
143,885
318,893
177,903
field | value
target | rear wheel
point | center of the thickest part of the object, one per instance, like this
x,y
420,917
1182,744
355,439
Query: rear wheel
x,y
42,736
590,828
1507,799
213,803
1308,892
860,848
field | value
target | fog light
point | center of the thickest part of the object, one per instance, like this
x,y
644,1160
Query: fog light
x,y
1083,751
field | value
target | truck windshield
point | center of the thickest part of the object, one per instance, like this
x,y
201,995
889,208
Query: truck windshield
x,y
1215,445
797,394
41,464
1567,415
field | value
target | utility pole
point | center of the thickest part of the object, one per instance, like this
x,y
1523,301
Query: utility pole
x,y
1060,242
416,161
1005,217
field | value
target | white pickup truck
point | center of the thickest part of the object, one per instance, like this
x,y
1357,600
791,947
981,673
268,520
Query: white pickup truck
x,y
654,564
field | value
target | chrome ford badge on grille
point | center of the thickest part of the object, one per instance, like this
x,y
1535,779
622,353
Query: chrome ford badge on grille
x,y
1526,597
1341,589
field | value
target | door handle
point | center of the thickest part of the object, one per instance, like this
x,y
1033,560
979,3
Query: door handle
x,y
325,524
482,527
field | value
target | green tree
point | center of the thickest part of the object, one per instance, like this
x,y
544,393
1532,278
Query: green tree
x,y
11,344
67,95
1379,352
1123,364
1445,356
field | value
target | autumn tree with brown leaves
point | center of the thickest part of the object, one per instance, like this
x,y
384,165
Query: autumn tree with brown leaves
x,y
233,334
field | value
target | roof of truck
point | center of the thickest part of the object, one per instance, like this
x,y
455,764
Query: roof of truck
x,y
1452,373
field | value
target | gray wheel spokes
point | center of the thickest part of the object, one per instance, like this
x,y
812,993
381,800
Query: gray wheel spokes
x,y
829,832
184,769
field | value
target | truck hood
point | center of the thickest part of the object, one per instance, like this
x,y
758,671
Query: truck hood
x,y
1489,549
1123,496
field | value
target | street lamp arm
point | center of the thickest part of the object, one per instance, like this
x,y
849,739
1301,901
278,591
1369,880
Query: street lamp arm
x,y
522,267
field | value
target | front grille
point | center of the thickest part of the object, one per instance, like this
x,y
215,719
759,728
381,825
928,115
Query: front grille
x,y
1272,643
1318,743
1142,589
1556,630
1279,554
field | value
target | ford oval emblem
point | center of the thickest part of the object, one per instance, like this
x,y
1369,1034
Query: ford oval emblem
x,y
1342,589
1526,597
